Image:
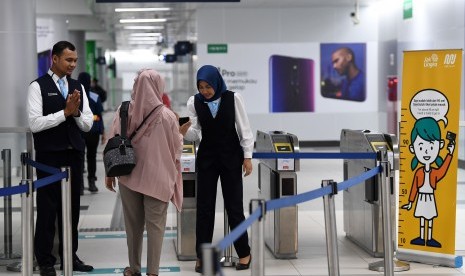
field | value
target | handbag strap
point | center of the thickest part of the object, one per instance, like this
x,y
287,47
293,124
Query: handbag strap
x,y
123,114
135,132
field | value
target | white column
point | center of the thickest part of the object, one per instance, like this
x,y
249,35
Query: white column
x,y
18,54
78,39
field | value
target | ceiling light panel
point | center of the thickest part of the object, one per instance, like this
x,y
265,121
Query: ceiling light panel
x,y
140,9
144,27
143,20
143,38
145,34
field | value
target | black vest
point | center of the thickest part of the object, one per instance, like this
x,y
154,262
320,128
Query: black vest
x,y
66,134
220,141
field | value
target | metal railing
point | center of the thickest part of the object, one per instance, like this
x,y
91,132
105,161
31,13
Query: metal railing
x,y
329,189
26,188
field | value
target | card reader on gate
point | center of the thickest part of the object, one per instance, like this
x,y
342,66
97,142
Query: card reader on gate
x,y
188,158
283,147
282,144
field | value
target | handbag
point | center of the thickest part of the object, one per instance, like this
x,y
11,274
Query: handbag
x,y
118,156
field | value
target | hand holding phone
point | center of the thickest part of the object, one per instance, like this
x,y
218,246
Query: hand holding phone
x,y
183,120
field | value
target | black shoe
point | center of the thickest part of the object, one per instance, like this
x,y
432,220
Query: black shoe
x,y
240,266
47,271
198,266
79,265
92,187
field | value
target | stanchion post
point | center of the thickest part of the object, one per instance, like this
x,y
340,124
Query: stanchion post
x,y
389,264
227,260
208,259
66,217
386,210
330,228
258,238
7,211
27,218
7,236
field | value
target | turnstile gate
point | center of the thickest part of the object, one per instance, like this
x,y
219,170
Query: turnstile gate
x,y
186,219
361,203
277,179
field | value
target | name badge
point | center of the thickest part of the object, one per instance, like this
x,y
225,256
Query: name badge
x,y
52,94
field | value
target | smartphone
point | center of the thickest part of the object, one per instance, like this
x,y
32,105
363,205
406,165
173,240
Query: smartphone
x,y
183,120
451,137
291,84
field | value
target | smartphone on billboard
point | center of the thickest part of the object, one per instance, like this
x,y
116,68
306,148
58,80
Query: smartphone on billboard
x,y
291,84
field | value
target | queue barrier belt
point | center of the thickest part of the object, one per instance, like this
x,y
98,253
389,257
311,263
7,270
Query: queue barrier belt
x,y
315,155
299,198
42,167
56,175
8,191
291,201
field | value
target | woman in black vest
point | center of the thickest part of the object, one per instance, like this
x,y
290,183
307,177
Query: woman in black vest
x,y
220,120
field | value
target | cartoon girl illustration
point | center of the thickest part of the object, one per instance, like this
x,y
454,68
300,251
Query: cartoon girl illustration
x,y
426,143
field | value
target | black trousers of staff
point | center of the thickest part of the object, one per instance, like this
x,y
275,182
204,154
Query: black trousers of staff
x,y
232,188
92,139
49,205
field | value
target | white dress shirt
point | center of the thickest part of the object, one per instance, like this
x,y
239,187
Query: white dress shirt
x,y
242,124
38,122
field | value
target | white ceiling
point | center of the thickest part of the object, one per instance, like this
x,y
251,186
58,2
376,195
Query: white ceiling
x,y
180,24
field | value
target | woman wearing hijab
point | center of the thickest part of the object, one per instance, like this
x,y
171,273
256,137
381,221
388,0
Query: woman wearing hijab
x,y
156,178
219,118
92,137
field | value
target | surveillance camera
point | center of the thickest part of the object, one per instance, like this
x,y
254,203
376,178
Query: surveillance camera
x,y
354,17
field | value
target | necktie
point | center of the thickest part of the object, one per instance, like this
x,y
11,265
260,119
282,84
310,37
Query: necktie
x,y
63,88
213,108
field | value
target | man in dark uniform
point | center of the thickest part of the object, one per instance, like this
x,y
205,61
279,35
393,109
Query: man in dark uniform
x,y
58,110
102,93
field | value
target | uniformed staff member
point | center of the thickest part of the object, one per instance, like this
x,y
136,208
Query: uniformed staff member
x,y
225,151
58,110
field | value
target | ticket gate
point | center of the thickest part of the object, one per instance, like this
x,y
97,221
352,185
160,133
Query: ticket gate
x,y
361,203
186,219
277,178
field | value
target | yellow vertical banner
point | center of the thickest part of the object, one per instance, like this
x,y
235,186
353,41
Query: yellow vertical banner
x,y
429,128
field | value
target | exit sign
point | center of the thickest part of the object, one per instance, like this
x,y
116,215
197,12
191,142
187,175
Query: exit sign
x,y
217,48
408,9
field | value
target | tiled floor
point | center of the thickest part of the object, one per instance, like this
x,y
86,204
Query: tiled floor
x,y
106,249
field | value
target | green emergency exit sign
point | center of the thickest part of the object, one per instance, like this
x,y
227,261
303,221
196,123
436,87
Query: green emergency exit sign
x,y
217,48
408,9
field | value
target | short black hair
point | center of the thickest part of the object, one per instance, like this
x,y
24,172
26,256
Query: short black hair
x,y
60,46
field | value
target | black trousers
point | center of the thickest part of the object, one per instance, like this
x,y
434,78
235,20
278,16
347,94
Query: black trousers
x,y
49,205
92,139
231,186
